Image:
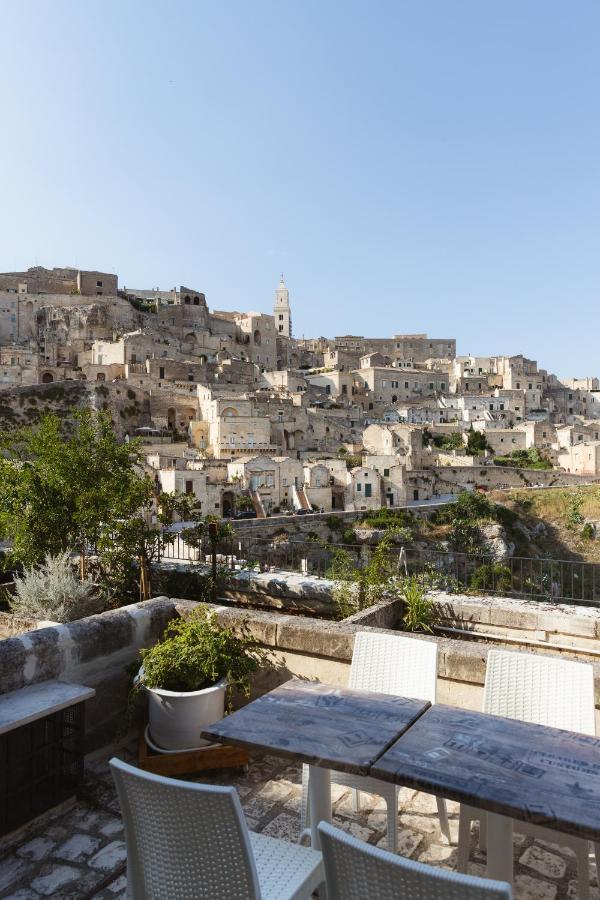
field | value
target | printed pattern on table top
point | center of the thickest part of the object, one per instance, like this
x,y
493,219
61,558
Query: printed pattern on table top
x,y
320,724
534,773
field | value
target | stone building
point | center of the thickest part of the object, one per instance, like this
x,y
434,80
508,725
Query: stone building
x,y
282,311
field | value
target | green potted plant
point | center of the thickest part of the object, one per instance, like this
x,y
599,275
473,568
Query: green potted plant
x,y
190,676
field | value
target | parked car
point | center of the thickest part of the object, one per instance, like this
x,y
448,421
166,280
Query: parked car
x,y
303,512
246,514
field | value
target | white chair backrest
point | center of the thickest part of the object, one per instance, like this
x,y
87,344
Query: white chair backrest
x,y
540,689
394,664
181,836
355,870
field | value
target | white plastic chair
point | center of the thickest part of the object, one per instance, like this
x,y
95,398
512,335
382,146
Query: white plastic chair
x,y
355,870
388,664
189,841
544,690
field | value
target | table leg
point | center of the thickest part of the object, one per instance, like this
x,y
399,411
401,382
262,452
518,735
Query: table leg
x,y
319,795
499,847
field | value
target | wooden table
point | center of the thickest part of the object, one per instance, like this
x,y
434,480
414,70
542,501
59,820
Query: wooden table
x,y
326,726
511,769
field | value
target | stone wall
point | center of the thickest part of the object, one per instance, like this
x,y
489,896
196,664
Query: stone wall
x,y
24,405
97,650
93,651
522,623
448,479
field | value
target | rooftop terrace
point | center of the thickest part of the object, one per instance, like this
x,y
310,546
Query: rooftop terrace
x,y
78,850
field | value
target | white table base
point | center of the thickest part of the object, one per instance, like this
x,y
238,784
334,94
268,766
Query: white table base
x,y
499,847
319,798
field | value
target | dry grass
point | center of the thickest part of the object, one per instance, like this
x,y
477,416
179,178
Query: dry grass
x,y
554,506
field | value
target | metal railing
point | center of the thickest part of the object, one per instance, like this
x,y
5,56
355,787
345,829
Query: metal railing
x,y
552,580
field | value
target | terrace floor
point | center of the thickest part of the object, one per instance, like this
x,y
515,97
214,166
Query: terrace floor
x,y
77,851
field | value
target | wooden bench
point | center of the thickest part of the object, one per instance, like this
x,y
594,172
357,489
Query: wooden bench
x,y
42,730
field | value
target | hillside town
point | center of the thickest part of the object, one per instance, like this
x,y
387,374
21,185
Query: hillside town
x,y
253,421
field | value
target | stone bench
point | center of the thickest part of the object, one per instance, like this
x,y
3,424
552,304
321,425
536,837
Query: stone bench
x,y
41,748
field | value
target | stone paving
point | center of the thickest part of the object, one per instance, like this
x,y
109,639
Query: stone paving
x,y
78,850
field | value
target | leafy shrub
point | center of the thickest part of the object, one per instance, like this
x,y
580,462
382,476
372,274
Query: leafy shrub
x,y
334,523
588,532
196,652
53,591
573,516
358,588
504,515
491,576
353,460
387,518
452,441
348,536
469,505
524,459
465,537
524,503
419,609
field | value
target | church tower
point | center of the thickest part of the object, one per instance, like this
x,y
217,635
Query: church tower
x,y
282,311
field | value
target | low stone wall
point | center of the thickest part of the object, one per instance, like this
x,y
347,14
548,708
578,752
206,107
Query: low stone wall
x,y
97,650
287,591
93,651
525,622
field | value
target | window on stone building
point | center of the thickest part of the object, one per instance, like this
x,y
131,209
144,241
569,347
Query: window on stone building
x,y
189,487
98,284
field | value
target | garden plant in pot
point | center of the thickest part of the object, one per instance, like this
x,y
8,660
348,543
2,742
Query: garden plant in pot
x,y
190,677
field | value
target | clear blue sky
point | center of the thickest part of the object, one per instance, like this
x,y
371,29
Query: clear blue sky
x,y
426,166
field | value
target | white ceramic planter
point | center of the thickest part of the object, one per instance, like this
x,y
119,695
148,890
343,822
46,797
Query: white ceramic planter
x,y
176,718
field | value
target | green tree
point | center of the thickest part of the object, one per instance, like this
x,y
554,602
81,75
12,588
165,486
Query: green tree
x,y
477,442
61,491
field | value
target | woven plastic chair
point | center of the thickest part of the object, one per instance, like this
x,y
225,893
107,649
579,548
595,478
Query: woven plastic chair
x,y
355,870
189,841
388,664
544,690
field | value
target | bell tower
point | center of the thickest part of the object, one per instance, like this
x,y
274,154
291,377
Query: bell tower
x,y
282,311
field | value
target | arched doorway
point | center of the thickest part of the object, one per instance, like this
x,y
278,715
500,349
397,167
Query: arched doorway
x,y
47,378
228,504
100,376
171,419
257,337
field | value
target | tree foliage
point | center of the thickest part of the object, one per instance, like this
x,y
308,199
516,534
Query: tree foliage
x,y
61,490
477,443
